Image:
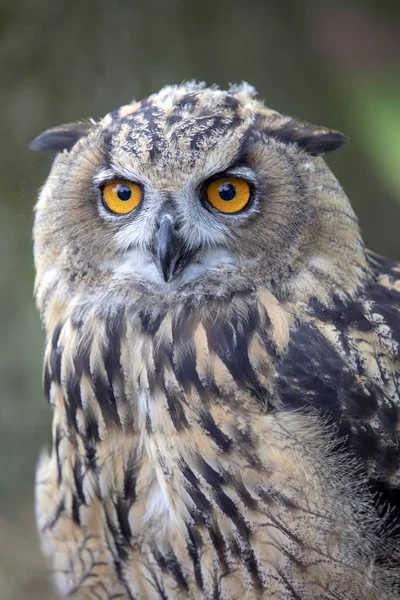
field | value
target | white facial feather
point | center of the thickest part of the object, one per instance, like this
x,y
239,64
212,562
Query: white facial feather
x,y
140,265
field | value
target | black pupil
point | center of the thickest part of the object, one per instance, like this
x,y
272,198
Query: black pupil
x,y
124,192
227,191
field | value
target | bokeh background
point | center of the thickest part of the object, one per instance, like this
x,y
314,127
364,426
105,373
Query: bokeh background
x,y
334,63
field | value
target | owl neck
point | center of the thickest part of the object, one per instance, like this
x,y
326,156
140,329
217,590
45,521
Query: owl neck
x,y
122,366
146,366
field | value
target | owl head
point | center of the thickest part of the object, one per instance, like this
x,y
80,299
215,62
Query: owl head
x,y
193,191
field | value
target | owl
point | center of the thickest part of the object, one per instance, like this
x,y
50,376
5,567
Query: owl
x,y
221,358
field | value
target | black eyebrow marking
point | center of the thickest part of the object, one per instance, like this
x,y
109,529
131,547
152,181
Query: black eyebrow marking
x,y
108,146
242,156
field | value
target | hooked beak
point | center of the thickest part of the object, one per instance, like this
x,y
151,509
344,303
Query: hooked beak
x,y
172,257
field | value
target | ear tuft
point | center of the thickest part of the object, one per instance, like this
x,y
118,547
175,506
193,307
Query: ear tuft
x,y
60,138
321,143
312,139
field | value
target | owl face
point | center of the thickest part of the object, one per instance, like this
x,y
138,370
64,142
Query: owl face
x,y
189,186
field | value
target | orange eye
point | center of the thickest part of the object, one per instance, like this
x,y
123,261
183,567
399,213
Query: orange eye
x,y
121,197
229,195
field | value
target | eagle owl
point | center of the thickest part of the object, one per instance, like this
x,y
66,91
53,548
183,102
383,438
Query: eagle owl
x,y
222,360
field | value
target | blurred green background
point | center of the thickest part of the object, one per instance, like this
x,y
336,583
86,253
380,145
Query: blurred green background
x,y
333,63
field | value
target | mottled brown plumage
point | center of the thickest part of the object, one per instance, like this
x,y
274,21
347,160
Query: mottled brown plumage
x,y
232,432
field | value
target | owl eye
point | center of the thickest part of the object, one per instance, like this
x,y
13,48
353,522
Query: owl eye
x,y
229,195
121,197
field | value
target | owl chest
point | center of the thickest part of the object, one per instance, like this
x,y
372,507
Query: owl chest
x,y
174,427
161,405
160,452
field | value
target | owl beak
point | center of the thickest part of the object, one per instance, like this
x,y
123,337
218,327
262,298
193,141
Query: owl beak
x,y
170,249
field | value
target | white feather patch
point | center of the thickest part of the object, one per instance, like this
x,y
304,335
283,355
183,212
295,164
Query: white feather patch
x,y
140,264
